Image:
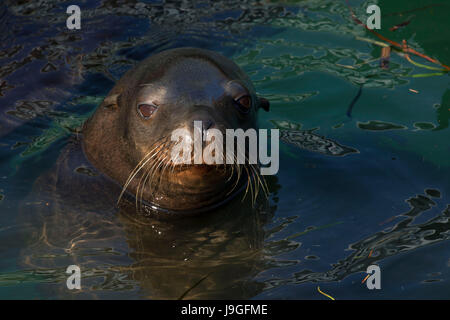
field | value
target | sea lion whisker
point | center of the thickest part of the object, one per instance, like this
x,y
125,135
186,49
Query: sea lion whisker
x,y
256,183
157,145
234,164
139,166
139,196
260,180
248,179
234,186
266,186
151,154
133,175
248,185
161,162
156,169
146,174
252,183
257,179
162,172
138,188
239,173
232,167
173,162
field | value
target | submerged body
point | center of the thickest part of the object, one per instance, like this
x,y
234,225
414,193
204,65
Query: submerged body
x,y
70,218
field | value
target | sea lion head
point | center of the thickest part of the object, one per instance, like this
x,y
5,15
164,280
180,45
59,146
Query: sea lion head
x,y
129,137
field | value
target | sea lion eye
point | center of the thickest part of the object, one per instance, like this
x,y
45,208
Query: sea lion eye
x,y
244,103
146,110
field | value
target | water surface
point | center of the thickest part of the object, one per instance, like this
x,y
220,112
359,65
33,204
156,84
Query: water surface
x,y
327,219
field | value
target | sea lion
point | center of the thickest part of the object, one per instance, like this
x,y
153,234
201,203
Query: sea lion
x,y
128,136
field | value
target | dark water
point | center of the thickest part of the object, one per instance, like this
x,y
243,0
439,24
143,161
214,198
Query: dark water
x,y
328,217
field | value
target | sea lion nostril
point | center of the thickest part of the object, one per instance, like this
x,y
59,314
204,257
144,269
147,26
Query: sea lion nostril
x,y
207,124
203,124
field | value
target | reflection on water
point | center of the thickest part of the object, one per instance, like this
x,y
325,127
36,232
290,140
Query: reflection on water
x,y
71,219
402,237
379,125
325,214
223,252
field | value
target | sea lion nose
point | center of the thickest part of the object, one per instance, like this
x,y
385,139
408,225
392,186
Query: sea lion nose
x,y
207,124
203,121
201,125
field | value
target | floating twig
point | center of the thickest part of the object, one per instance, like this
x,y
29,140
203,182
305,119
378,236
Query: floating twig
x,y
326,295
345,66
378,43
407,57
353,67
364,280
412,10
396,44
365,62
401,25
422,65
384,59
423,75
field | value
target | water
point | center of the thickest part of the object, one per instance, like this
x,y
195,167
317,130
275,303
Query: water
x,y
328,218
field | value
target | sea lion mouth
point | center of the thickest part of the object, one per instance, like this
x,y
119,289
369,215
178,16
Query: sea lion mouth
x,y
199,167
192,189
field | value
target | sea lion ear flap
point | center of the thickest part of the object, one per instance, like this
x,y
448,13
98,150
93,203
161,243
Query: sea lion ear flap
x,y
264,103
111,101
